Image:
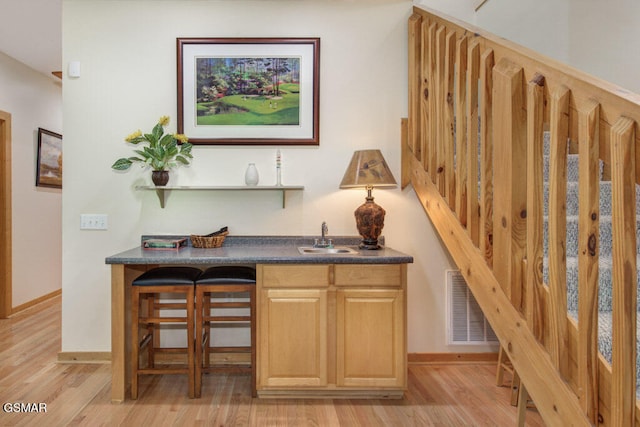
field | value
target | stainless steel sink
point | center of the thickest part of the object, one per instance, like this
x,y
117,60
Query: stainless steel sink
x,y
336,250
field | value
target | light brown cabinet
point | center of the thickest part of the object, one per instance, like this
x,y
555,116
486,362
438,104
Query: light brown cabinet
x,y
331,330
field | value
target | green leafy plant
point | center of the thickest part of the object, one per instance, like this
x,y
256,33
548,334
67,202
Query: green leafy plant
x,y
163,151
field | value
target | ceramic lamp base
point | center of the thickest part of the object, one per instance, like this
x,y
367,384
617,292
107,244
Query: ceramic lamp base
x,y
370,221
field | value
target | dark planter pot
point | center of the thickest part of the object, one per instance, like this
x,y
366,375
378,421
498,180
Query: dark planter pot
x,y
160,178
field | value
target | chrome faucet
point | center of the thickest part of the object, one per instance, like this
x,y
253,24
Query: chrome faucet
x,y
324,243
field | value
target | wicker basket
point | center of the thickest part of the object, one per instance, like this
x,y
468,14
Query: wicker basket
x,y
208,241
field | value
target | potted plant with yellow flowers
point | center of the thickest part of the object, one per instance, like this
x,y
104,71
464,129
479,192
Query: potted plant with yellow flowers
x,y
163,152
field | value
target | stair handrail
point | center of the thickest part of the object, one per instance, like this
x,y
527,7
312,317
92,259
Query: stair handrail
x,y
479,107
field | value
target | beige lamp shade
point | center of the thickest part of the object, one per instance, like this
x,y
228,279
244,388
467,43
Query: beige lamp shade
x,y
368,169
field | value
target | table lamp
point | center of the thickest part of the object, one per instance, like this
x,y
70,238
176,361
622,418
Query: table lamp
x,y
368,169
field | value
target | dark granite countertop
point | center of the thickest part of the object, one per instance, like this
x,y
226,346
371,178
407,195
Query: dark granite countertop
x,y
260,250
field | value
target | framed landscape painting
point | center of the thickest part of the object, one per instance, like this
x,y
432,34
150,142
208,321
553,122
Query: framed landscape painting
x,y
49,162
249,91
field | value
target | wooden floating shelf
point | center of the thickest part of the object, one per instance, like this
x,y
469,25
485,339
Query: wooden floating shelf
x,y
162,191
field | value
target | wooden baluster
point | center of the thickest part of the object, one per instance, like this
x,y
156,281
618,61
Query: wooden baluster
x,y
588,252
432,161
559,123
448,174
414,84
623,179
473,75
438,178
486,156
425,82
405,151
510,192
535,205
461,131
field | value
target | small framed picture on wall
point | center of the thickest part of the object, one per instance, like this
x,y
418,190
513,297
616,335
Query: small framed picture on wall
x,y
49,164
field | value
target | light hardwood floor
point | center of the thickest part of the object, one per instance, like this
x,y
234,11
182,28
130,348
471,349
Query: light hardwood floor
x,y
79,394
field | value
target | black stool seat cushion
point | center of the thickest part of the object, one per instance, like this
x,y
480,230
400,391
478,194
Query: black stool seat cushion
x,y
167,276
227,275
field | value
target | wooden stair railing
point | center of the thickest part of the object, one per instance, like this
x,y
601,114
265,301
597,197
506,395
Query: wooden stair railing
x,y
472,148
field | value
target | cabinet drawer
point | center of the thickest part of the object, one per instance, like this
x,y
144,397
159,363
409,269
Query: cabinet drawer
x,y
369,275
294,276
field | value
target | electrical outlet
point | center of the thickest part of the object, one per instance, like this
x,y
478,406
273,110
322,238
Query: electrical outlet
x,y
93,221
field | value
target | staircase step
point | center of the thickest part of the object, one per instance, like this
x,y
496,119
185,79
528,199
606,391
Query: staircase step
x,y
572,198
605,235
605,261
605,340
572,168
605,274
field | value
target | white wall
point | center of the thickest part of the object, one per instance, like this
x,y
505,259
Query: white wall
x,y
600,38
540,25
605,40
34,101
459,9
128,81
128,60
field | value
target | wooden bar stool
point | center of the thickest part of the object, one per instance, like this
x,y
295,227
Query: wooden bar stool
x,y
214,284
504,365
146,289
519,395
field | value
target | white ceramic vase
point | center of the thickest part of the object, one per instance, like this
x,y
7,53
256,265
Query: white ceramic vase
x,y
251,176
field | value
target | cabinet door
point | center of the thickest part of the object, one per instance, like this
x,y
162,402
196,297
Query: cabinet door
x,y
293,338
371,341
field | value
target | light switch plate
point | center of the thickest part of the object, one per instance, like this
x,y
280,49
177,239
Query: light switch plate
x,y
93,221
